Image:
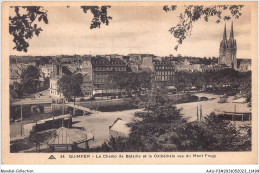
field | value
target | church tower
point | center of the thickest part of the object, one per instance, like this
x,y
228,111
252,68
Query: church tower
x,y
228,50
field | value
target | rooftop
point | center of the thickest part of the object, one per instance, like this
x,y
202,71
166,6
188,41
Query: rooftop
x,y
70,136
120,126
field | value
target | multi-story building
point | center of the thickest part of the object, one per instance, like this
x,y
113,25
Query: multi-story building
x,y
87,73
102,67
58,72
164,71
87,85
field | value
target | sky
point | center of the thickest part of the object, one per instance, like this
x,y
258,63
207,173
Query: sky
x,y
133,29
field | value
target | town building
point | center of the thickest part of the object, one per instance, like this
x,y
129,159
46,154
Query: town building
x,y
163,71
244,65
94,70
102,67
87,74
87,85
58,72
119,129
15,72
46,70
228,50
147,63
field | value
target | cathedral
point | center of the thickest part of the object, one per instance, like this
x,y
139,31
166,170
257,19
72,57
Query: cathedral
x,y
228,50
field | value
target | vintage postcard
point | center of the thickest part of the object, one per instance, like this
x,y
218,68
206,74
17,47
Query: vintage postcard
x,y
129,82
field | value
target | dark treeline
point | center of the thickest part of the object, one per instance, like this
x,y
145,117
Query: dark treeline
x,y
214,81
129,81
227,80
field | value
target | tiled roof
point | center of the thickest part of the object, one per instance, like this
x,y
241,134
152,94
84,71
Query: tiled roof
x,y
120,126
65,70
104,61
70,136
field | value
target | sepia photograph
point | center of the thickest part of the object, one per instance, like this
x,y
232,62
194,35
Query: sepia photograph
x,y
112,77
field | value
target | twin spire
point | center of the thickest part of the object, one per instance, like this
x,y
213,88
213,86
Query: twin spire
x,y
231,33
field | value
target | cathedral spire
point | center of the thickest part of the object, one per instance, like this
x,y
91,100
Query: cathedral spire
x,y
225,33
231,32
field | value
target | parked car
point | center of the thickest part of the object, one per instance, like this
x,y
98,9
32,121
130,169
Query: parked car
x,y
203,98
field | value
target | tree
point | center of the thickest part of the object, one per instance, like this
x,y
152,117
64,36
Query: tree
x,y
70,85
41,137
30,79
99,15
161,127
23,25
193,13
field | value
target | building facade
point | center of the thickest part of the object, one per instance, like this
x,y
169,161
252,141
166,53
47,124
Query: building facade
x,y
163,71
58,72
46,70
228,50
15,72
244,65
102,67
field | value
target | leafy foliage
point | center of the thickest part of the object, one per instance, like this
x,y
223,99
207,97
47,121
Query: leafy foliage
x,y
23,26
69,85
217,79
129,81
30,79
245,85
99,15
41,137
193,13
